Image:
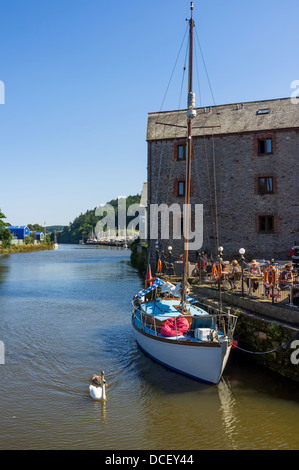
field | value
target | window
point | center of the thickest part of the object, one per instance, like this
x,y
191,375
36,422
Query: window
x,y
265,185
266,223
264,146
181,188
261,112
179,150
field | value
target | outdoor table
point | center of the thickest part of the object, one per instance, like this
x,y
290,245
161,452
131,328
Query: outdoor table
x,y
252,278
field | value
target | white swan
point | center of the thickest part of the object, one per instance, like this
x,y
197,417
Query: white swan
x,y
98,393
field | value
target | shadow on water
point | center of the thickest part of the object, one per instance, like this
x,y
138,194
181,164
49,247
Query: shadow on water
x,y
245,374
4,270
165,380
119,347
63,319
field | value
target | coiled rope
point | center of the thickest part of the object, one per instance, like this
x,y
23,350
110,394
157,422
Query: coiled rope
x,y
272,350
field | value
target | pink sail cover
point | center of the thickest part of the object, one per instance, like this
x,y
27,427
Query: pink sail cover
x,y
175,326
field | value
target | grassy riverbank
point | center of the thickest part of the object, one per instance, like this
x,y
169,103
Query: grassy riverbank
x,y
26,248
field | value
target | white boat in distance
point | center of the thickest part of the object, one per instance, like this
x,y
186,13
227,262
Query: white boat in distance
x,y
55,241
173,328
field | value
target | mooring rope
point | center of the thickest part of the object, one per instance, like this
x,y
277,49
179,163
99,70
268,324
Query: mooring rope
x,y
272,350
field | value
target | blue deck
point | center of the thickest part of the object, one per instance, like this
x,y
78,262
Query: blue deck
x,y
163,309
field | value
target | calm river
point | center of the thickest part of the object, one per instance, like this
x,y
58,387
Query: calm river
x,y
64,315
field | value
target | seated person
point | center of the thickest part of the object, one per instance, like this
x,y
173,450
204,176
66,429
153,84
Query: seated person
x,y
285,279
253,271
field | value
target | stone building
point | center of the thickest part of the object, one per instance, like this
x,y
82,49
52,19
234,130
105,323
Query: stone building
x,y
244,172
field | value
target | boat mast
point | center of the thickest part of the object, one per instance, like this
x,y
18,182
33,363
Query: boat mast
x,y
191,113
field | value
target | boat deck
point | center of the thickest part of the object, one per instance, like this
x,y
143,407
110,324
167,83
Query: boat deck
x,y
168,308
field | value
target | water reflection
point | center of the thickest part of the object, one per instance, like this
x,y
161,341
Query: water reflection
x,y
65,315
228,409
4,269
99,410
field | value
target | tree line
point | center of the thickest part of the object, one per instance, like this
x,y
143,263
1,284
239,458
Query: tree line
x,y
80,229
84,224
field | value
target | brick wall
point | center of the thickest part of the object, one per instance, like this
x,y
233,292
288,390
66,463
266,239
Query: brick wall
x,y
229,166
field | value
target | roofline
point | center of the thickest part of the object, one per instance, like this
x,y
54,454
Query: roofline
x,y
204,136
222,105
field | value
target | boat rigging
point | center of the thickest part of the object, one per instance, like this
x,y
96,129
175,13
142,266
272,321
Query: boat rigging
x,y
170,326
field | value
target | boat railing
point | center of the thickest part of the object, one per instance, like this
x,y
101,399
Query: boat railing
x,y
225,315
214,320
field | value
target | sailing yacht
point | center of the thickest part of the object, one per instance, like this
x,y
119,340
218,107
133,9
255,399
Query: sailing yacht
x,y
55,241
170,326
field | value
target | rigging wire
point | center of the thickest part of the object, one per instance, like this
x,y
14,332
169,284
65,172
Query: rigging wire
x,y
215,196
214,217
196,167
183,76
197,75
205,67
162,139
167,88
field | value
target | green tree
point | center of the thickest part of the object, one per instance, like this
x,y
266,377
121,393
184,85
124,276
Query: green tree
x,y
28,240
35,228
5,234
2,216
84,224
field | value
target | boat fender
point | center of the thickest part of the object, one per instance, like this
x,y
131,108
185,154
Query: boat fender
x,y
266,277
217,271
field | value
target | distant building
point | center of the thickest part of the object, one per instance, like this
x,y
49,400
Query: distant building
x,y
40,236
244,171
18,232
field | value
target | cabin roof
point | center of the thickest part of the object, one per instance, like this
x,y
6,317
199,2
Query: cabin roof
x,y
17,227
255,116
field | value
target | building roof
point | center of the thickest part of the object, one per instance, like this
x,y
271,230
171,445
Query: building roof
x,y
238,118
17,227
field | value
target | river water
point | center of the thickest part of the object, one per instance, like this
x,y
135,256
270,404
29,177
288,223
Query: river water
x,y
64,315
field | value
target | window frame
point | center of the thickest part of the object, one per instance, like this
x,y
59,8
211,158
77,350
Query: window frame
x,y
265,191
258,137
183,147
266,218
264,140
176,150
183,182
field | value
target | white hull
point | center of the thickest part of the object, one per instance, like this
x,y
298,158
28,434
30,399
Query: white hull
x,y
204,362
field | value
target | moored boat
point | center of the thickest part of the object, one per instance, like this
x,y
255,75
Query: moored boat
x,y
196,342
171,327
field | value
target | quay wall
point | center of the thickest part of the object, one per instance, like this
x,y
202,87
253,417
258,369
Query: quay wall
x,y
262,328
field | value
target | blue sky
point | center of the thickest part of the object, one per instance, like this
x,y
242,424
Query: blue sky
x,y
81,76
